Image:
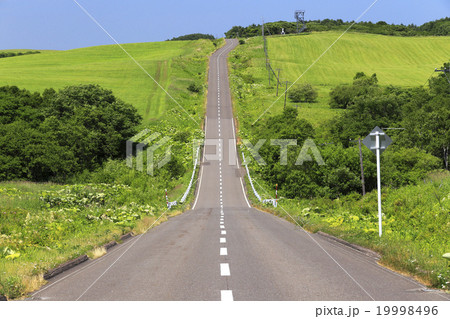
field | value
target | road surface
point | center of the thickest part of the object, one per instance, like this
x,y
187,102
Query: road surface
x,y
223,249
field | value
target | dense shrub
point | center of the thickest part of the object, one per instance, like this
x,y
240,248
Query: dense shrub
x,y
58,134
404,166
303,93
342,96
195,87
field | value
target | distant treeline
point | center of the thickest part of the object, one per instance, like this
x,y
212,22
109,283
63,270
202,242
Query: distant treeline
x,y
11,54
434,28
193,36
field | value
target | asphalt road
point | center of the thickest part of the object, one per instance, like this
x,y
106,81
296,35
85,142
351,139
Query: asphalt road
x,y
223,249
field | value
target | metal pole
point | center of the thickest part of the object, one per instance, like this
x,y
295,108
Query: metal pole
x,y
362,168
377,147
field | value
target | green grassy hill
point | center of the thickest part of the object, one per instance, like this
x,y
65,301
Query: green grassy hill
x,y
173,64
399,61
402,61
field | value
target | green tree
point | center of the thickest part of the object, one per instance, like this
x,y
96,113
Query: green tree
x,y
403,166
96,124
59,134
342,96
303,93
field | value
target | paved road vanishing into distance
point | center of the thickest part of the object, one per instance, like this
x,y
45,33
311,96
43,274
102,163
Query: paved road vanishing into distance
x,y
223,249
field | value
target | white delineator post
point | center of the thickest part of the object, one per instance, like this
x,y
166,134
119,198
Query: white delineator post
x,y
276,195
377,147
167,199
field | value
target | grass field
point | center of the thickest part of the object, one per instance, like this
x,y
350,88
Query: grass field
x,y
398,61
174,64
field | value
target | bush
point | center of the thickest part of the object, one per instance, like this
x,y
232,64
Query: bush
x,y
342,96
241,41
175,167
195,88
58,134
303,93
403,166
248,78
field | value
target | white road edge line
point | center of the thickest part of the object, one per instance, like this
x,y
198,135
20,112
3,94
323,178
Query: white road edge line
x,y
245,195
200,174
95,262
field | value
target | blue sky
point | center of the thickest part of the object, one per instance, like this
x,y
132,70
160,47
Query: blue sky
x,y
60,24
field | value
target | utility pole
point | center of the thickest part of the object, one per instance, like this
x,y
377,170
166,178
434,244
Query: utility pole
x,y
278,79
285,94
362,168
262,28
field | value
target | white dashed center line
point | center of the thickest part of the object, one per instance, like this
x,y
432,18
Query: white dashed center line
x,y
225,269
223,251
226,295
